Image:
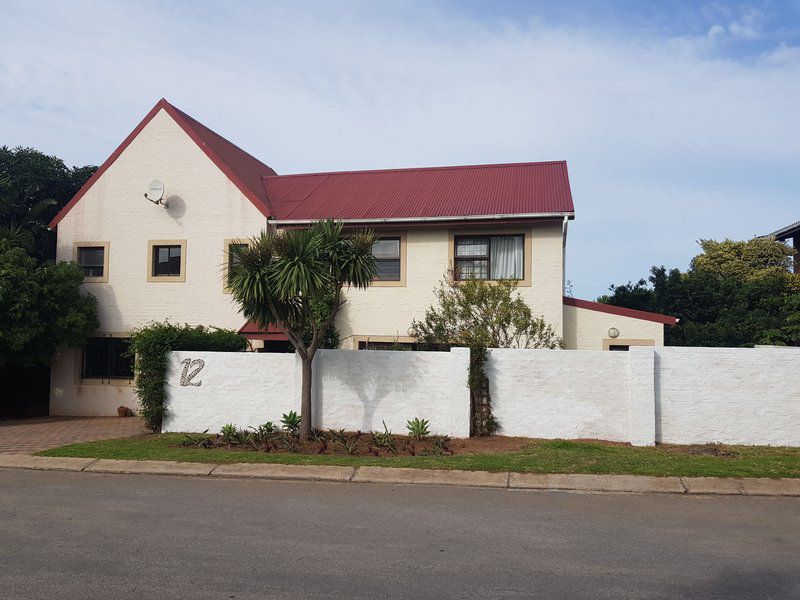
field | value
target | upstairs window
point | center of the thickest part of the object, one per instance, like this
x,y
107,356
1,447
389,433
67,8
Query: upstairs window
x,y
106,358
386,251
489,257
233,259
167,261
92,261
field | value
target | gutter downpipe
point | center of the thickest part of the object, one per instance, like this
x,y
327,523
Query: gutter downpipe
x,y
564,228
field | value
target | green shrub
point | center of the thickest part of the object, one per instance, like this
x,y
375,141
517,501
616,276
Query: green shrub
x,y
150,345
418,428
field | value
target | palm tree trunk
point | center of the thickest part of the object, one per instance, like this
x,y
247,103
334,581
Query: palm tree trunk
x,y
305,400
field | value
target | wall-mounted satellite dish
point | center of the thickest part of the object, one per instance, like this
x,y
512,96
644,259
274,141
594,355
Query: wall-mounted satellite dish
x,y
155,193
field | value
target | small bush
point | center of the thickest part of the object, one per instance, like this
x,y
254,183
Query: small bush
x,y
150,346
418,428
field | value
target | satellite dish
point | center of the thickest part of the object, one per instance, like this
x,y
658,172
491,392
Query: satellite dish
x,y
155,192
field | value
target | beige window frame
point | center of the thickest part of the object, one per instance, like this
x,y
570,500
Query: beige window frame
x,y
226,245
78,371
608,342
106,246
527,249
403,262
151,244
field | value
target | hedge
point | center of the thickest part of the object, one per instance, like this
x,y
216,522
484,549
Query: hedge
x,y
150,345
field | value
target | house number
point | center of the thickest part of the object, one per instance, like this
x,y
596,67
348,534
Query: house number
x,y
186,377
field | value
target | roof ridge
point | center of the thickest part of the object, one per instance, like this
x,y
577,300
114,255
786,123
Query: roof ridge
x,y
440,168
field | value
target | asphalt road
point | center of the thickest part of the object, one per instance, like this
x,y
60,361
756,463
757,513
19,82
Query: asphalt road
x,y
80,535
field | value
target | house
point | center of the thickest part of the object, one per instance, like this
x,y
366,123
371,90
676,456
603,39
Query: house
x,y
146,262
791,236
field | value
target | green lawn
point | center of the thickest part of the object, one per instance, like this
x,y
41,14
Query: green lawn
x,y
540,457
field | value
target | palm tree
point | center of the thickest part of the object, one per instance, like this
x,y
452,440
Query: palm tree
x,y
294,281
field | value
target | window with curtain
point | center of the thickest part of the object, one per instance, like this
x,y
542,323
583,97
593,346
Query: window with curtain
x,y
166,261
92,260
489,257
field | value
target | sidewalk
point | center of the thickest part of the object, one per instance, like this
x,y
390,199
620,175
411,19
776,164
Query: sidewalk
x,y
513,481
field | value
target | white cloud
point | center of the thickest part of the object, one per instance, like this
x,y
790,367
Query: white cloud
x,y
666,140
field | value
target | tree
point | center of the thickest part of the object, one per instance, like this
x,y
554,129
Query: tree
x,y
735,293
41,308
480,315
294,280
33,188
477,313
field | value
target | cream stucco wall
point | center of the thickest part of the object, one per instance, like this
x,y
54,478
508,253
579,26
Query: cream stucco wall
x,y
386,312
205,208
586,329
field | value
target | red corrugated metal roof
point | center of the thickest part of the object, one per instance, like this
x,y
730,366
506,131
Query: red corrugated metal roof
x,y
253,332
620,310
538,188
529,189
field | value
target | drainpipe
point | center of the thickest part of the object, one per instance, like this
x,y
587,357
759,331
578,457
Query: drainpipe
x,y
564,227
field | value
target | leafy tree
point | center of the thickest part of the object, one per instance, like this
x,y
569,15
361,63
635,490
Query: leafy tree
x,y
33,188
476,313
734,294
41,308
482,315
294,280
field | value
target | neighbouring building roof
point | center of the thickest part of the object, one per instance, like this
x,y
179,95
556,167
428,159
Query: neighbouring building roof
x,y
619,310
786,232
521,190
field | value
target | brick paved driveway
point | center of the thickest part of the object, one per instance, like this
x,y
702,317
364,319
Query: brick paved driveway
x,y
24,436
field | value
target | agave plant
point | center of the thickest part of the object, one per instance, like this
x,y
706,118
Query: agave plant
x,y
418,428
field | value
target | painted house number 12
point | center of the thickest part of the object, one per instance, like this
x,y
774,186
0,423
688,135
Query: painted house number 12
x,y
186,376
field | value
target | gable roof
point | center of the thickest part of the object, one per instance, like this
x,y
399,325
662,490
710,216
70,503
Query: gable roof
x,y
244,171
621,311
499,191
533,189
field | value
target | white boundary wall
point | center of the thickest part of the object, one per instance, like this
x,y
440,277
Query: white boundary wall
x,y
671,395
728,395
352,390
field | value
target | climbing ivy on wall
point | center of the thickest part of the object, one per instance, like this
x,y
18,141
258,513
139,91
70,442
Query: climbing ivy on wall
x,y
151,344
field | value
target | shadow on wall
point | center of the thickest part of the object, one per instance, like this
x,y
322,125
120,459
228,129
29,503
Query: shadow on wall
x,y
371,376
176,207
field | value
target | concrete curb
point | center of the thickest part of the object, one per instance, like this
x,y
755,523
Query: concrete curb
x,y
695,486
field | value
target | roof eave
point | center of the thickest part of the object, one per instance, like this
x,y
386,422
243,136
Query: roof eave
x,y
447,219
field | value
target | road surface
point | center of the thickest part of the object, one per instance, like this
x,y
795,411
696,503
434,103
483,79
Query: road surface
x,y
80,535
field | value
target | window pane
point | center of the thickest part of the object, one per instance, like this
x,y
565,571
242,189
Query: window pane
x,y
472,269
233,259
472,246
507,256
121,365
91,260
387,270
386,248
166,260
95,358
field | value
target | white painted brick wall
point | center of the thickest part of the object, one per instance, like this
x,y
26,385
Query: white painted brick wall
x,y
728,395
560,393
352,390
671,395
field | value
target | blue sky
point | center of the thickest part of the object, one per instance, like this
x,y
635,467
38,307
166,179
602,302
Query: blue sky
x,y
679,120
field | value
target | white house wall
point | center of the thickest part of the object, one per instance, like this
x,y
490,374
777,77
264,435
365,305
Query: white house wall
x,y
585,329
205,208
389,311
